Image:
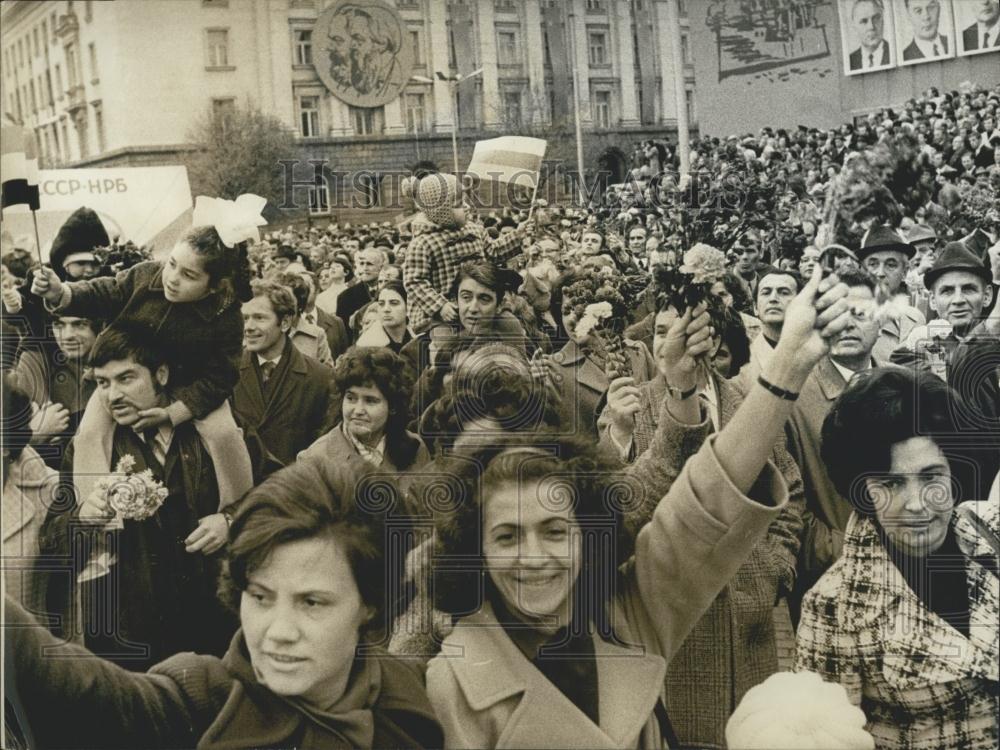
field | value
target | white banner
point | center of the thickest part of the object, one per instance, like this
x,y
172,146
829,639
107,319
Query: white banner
x,y
148,205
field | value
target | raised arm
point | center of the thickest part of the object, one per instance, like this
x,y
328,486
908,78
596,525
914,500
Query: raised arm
x,y
99,299
65,696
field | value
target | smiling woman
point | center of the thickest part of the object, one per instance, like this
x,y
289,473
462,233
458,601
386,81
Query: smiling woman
x,y
309,573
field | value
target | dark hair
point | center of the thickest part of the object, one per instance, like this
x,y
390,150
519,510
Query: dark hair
x,y
224,266
734,335
124,340
774,271
853,276
600,493
303,502
880,408
16,419
483,273
282,299
344,261
299,288
395,286
391,374
741,300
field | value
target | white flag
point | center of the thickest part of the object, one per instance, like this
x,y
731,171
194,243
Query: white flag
x,y
510,158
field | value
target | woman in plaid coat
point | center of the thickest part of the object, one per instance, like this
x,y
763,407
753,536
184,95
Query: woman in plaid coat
x,y
907,619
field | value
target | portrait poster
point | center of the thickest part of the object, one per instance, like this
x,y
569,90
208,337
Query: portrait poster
x,y
363,52
977,26
867,33
925,30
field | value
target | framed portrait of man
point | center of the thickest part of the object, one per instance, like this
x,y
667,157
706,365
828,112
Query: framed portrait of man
x,y
868,41
924,30
977,26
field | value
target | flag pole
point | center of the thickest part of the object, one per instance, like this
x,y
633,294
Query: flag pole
x,y
38,243
534,192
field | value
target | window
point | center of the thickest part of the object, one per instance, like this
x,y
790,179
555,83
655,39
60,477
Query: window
x,y
88,14
223,106
71,71
511,101
367,120
48,87
34,41
53,24
319,198
689,99
99,127
416,121
81,133
60,91
303,47
94,77
45,34
685,49
309,116
507,47
595,6
65,139
504,5
56,148
598,48
34,102
217,48
602,109
546,53
451,45
418,57
682,7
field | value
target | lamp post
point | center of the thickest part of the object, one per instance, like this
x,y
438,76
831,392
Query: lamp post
x,y
453,81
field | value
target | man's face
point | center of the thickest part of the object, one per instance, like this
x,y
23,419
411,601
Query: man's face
x,y
387,274
774,293
637,241
749,255
475,303
986,11
591,243
74,336
868,22
861,333
369,264
888,267
281,263
128,388
924,16
262,329
959,297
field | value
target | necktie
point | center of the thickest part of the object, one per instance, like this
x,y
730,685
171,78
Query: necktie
x,y
267,370
871,61
986,39
156,443
936,52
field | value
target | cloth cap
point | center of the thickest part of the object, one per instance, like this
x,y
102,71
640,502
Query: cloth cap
x,y
956,257
881,237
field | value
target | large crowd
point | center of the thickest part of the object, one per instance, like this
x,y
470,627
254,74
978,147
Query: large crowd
x,y
549,476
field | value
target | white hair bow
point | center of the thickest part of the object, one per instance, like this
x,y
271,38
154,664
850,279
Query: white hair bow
x,y
235,221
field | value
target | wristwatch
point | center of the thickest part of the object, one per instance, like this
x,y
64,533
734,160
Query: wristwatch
x,y
678,395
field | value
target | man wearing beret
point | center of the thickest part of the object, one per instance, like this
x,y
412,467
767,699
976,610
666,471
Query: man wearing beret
x,y
885,255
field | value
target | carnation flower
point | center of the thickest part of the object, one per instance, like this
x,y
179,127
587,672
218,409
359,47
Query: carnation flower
x,y
704,263
133,497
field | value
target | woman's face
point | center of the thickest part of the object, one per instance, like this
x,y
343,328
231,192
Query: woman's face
x,y
184,276
720,291
365,412
532,547
337,273
301,613
913,501
391,309
722,360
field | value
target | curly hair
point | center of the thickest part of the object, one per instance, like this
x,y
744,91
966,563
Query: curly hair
x,y
280,296
301,502
392,376
880,408
600,495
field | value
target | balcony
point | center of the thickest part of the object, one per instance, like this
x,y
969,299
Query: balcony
x,y
77,99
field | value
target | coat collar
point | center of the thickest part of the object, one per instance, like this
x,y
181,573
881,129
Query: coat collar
x,y
829,379
292,364
492,669
23,488
919,647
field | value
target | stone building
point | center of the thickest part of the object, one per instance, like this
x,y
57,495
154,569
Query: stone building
x,y
121,82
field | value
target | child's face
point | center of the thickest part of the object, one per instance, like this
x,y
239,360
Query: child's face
x,y
184,275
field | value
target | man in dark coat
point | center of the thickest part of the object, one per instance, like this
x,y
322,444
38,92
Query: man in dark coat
x,y
367,265
146,587
984,33
282,396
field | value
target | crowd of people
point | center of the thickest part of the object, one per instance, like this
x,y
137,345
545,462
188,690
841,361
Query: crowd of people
x,y
525,477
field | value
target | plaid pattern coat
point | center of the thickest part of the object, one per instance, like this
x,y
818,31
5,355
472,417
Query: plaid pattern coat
x,y
433,259
921,683
733,646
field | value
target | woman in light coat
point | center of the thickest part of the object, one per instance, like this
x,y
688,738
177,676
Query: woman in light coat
x,y
565,648
907,619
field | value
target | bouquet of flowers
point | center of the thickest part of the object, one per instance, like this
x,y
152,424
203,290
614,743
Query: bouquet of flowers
x,y
597,301
133,496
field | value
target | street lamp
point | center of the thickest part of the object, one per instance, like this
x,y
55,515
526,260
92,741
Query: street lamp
x,y
453,81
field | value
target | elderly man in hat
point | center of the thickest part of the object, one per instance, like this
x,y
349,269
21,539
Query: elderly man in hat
x,y
886,256
924,241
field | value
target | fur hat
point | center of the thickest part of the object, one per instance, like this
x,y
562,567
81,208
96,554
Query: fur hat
x,y
76,240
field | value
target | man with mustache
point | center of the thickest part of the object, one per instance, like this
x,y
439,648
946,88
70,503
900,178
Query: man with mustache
x,y
928,42
826,512
146,587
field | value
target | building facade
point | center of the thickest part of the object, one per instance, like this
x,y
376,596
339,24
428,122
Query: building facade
x,y
122,82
